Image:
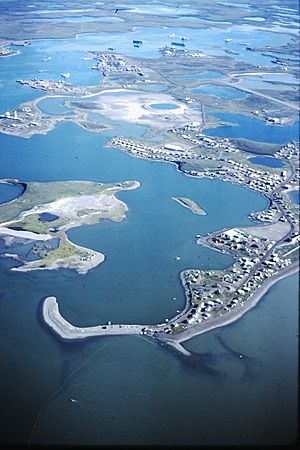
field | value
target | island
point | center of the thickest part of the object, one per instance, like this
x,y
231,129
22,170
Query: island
x,y
190,204
44,213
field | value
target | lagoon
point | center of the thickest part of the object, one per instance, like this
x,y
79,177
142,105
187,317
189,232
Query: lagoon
x,y
295,196
163,106
9,192
243,127
226,93
267,161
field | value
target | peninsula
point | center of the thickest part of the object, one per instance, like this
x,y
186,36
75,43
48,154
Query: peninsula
x,y
45,212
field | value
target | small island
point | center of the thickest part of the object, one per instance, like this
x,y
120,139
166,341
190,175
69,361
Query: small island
x,y
190,204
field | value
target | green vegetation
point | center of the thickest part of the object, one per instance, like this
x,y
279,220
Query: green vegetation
x,y
75,203
45,193
177,329
65,250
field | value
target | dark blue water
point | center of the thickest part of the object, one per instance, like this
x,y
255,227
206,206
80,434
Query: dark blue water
x,y
253,129
9,192
295,196
267,161
47,217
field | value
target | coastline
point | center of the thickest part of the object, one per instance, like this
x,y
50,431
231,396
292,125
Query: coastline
x,y
231,316
68,332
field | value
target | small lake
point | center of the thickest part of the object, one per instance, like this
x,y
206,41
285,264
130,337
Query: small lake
x,y
267,161
47,217
295,196
243,127
9,192
163,106
199,76
227,93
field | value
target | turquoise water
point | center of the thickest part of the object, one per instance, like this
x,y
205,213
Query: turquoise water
x,y
227,93
27,64
295,196
253,129
54,106
163,106
267,161
9,192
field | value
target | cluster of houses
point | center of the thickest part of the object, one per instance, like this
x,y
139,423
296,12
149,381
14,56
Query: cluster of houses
x,y
240,173
54,87
172,51
4,51
269,215
213,293
168,152
238,241
228,170
289,151
109,62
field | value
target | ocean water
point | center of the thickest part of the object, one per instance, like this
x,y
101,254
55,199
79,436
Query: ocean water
x,y
130,390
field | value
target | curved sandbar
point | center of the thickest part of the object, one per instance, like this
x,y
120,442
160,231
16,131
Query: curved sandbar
x,y
67,331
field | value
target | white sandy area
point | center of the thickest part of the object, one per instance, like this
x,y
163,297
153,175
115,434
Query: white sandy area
x,y
24,234
67,331
134,106
275,231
